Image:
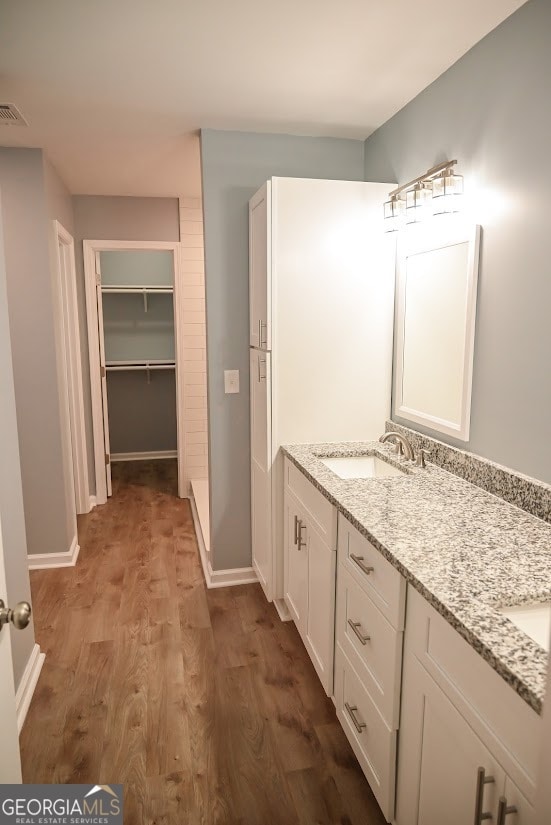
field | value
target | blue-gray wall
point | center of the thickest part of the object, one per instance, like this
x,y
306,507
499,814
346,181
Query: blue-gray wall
x,y
26,214
234,166
491,111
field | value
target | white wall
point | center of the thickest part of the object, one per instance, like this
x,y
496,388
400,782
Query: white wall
x,y
195,340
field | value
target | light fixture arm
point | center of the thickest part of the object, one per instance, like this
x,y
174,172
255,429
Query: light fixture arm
x,y
429,174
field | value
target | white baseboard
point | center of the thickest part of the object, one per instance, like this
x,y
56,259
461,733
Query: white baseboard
x,y
27,684
93,502
43,561
218,578
282,610
229,578
152,456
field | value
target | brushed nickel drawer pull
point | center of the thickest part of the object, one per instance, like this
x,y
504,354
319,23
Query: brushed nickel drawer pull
x,y
260,376
352,709
356,628
261,341
296,531
504,810
360,562
481,780
301,527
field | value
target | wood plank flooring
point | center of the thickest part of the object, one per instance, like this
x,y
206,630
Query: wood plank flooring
x,y
200,701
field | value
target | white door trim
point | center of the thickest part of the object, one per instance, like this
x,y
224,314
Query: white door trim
x,y
90,249
27,685
66,309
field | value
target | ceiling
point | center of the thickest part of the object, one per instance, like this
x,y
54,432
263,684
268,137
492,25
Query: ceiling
x,y
115,90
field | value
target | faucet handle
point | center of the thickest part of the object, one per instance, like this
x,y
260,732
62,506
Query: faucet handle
x,y
421,455
398,448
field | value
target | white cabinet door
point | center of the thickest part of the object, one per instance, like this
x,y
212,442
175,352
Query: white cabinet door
x,y
261,490
296,561
320,626
439,759
260,268
524,813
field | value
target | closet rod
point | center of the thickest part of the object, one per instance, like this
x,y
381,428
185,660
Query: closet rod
x,y
137,288
142,362
141,367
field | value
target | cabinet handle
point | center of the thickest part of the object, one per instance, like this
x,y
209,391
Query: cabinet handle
x,y
504,809
260,376
481,780
360,562
301,527
356,628
352,709
295,541
261,324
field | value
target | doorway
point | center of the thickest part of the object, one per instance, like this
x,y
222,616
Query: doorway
x,y
134,307
70,373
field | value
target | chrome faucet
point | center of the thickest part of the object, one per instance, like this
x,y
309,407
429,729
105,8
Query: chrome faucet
x,y
402,443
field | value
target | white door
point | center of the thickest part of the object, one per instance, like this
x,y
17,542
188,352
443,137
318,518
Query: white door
x,y
440,759
297,537
103,381
260,268
261,451
320,624
10,763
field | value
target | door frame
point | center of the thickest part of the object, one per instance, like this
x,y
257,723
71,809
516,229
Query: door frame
x,y
70,372
90,249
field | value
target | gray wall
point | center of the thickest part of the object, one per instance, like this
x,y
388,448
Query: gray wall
x,y
30,306
105,218
491,112
58,198
234,166
11,494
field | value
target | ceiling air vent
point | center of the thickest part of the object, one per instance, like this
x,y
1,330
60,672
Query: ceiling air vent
x,y
11,116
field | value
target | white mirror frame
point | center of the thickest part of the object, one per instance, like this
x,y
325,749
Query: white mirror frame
x,y
427,238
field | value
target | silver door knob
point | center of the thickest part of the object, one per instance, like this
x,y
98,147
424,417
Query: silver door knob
x,y
20,616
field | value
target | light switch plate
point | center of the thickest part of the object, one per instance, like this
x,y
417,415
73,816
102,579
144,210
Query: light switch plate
x,y
231,381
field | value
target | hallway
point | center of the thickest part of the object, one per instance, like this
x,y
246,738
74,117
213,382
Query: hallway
x,y
200,701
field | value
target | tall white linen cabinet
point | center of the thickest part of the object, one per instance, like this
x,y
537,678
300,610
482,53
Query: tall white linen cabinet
x,y
321,292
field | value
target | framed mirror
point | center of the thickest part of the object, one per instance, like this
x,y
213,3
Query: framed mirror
x,y
437,274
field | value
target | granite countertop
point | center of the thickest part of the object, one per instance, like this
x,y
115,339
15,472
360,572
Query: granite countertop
x,y
466,551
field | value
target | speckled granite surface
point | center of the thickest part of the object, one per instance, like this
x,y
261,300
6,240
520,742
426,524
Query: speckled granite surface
x,y
465,550
527,493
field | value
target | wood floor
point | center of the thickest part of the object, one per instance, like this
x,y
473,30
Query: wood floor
x,y
200,701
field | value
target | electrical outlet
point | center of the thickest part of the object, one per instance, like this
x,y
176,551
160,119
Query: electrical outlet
x,y
231,381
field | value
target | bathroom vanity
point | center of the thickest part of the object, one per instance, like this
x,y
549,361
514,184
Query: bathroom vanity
x,y
401,581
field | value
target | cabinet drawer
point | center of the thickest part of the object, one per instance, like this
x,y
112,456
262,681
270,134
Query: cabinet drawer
x,y
380,580
498,715
371,644
320,510
372,740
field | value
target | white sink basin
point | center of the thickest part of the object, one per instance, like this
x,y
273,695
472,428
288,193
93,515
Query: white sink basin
x,y
361,466
532,619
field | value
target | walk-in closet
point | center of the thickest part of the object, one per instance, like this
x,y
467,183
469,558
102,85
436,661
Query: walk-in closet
x,y
133,314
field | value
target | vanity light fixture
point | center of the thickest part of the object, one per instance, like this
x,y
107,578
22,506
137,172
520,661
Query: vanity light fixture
x,y
418,202
394,211
447,192
439,185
